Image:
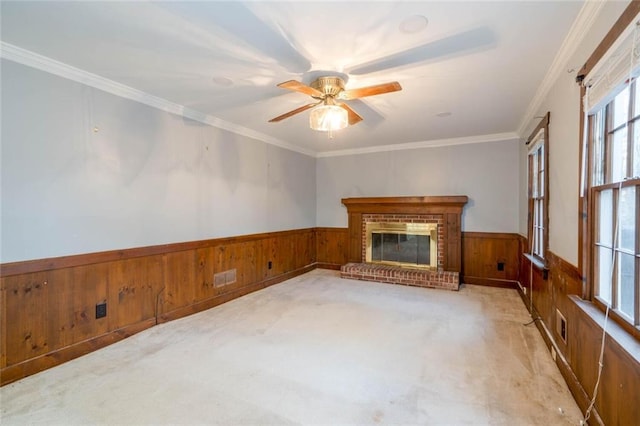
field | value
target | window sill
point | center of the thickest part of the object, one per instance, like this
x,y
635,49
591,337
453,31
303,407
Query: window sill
x,y
538,264
615,331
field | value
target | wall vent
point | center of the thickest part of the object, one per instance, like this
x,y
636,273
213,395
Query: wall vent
x,y
561,326
224,278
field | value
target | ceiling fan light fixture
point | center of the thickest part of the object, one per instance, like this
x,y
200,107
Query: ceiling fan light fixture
x,y
327,118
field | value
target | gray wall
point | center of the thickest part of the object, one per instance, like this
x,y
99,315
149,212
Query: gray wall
x,y
144,177
486,172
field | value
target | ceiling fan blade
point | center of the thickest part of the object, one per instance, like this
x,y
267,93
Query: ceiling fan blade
x,y
293,112
363,92
296,86
354,118
239,21
455,45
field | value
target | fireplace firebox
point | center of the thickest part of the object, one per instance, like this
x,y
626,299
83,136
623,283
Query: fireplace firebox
x,y
402,244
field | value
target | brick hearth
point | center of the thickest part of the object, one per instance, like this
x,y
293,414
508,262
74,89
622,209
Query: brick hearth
x,y
396,275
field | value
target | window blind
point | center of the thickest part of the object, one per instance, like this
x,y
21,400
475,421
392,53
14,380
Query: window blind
x,y
612,72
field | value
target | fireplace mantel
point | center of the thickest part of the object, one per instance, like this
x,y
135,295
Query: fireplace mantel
x,y
449,208
426,204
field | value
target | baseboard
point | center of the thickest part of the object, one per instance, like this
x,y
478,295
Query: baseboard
x,y
44,362
575,387
226,297
35,365
332,266
489,282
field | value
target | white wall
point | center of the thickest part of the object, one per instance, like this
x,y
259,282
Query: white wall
x,y
144,177
486,172
563,101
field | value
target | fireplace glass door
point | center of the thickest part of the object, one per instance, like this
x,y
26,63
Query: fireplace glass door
x,y
404,248
403,244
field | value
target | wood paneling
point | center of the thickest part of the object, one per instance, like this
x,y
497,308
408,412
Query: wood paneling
x,y
48,306
481,254
332,247
453,258
579,356
355,237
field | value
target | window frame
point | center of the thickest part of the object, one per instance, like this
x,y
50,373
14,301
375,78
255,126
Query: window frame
x,y
605,127
585,197
539,139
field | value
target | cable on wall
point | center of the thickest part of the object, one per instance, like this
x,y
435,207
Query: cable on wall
x,y
596,387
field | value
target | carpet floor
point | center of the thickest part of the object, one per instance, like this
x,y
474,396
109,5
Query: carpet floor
x,y
315,349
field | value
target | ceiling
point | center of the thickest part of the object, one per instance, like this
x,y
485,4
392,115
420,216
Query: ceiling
x,y
471,72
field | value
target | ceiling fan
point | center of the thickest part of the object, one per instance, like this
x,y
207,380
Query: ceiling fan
x,y
331,114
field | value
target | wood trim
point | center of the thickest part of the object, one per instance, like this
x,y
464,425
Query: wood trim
x,y
621,24
489,282
445,200
558,263
492,235
49,264
35,365
354,251
226,297
330,266
543,124
583,205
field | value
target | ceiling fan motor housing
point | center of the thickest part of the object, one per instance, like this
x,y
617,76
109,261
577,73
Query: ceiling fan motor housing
x,y
330,86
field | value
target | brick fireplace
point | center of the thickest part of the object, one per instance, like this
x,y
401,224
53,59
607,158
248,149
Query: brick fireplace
x,y
443,211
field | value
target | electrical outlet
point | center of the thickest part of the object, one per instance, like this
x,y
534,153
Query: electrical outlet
x,y
500,266
269,265
101,310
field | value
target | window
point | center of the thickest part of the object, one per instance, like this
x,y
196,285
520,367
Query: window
x,y
614,191
538,190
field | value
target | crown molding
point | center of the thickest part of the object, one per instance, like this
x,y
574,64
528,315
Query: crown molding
x,y
495,137
44,63
581,25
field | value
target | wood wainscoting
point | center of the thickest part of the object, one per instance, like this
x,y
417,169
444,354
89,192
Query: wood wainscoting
x,y
331,247
557,298
48,306
491,258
